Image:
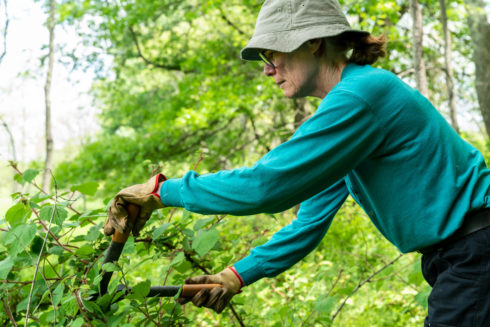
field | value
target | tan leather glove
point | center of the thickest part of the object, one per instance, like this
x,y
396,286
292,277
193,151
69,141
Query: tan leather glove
x,y
219,297
144,196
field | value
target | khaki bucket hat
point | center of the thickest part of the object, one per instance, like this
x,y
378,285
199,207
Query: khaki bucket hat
x,y
284,25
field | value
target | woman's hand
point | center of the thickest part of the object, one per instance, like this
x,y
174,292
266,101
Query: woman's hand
x,y
219,297
145,196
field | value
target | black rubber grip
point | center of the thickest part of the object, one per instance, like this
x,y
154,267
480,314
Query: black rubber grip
x,y
113,253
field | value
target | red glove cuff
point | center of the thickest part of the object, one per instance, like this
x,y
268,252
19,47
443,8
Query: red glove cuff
x,y
238,276
158,179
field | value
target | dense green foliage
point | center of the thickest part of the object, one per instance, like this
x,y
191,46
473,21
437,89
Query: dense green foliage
x,y
174,96
176,244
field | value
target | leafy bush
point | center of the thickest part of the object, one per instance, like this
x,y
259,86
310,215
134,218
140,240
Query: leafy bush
x,y
51,252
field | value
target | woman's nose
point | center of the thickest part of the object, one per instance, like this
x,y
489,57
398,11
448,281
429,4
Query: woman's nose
x,y
269,70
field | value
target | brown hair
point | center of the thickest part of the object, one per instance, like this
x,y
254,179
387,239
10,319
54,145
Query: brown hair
x,y
366,49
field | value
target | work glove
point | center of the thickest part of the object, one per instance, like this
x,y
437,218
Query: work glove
x,y
142,195
219,297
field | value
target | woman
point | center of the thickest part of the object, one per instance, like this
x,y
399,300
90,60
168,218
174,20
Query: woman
x,y
372,137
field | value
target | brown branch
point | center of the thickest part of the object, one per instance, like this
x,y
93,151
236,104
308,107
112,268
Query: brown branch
x,y
229,22
336,282
9,313
150,62
256,134
240,321
361,284
14,166
274,289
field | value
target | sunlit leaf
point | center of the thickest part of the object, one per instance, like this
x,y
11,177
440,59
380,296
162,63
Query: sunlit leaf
x,y
5,267
59,215
88,188
205,241
19,237
141,289
18,213
30,174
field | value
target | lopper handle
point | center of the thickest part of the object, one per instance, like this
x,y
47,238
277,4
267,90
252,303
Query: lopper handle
x,y
189,290
116,247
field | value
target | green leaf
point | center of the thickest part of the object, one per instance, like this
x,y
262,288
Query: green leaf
x,y
19,237
59,216
70,305
58,294
202,223
18,214
77,323
18,178
109,266
85,251
56,250
205,241
93,233
324,305
183,266
88,188
178,259
5,267
141,290
30,174
160,230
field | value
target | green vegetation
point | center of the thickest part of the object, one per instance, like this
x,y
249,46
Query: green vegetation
x,y
173,96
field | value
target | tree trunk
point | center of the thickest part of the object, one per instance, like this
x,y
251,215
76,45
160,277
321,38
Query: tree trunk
x,y
48,163
418,49
480,35
449,69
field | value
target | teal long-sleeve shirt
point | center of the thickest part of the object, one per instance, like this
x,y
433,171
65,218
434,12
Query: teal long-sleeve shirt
x,y
372,136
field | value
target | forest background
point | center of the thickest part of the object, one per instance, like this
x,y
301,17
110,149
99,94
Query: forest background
x,y
167,92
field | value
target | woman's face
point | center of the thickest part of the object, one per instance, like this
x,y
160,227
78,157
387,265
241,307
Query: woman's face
x,y
296,73
302,73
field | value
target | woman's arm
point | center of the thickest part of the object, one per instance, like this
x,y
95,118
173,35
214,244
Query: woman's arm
x,y
343,132
293,242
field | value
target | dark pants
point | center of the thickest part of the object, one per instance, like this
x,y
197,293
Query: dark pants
x,y
460,278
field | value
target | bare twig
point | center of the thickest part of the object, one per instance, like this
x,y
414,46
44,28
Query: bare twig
x,y
336,282
198,161
14,166
41,253
4,51
150,62
274,289
229,22
361,284
9,312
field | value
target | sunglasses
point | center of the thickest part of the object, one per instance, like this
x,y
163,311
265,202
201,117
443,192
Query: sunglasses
x,y
265,55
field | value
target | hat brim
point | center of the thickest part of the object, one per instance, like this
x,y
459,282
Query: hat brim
x,y
288,41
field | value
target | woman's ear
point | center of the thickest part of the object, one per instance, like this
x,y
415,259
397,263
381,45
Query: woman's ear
x,y
315,46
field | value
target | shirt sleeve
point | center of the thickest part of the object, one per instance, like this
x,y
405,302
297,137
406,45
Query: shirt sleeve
x,y
343,132
296,240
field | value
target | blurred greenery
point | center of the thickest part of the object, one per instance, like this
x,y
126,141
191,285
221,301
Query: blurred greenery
x,y
174,96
